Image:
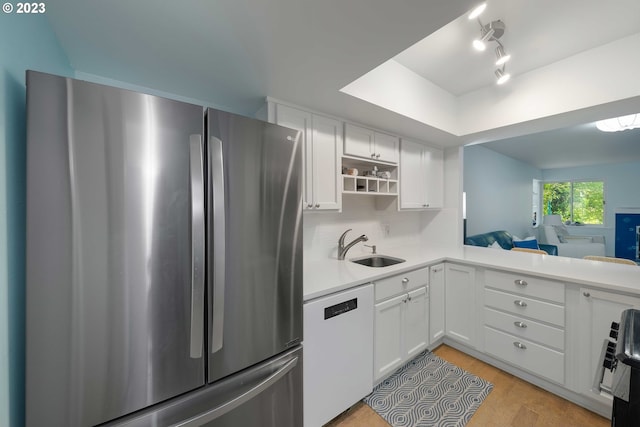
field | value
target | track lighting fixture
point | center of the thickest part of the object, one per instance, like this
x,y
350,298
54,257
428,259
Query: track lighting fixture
x,y
492,32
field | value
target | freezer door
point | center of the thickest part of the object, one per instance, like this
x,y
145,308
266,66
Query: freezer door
x,y
266,395
115,284
254,241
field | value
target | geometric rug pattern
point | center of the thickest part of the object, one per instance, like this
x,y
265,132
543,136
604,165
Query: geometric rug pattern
x,y
428,391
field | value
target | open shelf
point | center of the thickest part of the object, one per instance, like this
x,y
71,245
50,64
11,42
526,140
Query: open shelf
x,y
369,185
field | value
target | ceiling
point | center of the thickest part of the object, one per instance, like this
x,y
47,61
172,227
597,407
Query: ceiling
x,y
537,34
233,53
573,146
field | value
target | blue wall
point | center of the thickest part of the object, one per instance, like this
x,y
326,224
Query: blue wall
x,y
26,42
499,192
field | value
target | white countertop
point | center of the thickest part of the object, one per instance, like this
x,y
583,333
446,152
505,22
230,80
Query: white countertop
x,y
324,277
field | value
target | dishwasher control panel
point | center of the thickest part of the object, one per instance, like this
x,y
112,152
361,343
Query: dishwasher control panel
x,y
338,309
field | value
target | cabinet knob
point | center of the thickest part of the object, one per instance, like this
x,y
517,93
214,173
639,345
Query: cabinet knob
x,y
377,156
373,155
586,294
409,297
520,324
520,282
309,205
520,303
405,280
317,205
519,345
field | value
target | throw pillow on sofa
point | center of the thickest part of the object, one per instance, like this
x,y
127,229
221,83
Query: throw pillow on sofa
x,y
528,243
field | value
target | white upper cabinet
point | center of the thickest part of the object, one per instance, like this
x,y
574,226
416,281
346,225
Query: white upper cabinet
x,y
369,144
421,176
321,139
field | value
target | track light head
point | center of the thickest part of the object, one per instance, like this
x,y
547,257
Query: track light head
x,y
502,76
481,43
478,10
501,56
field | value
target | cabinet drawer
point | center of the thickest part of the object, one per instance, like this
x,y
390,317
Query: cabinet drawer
x,y
525,354
523,306
525,328
395,285
525,285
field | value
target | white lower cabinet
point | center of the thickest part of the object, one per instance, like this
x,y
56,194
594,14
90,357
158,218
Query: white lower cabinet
x,y
401,325
460,303
524,318
597,309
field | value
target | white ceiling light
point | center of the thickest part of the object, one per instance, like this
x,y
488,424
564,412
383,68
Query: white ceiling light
x,y
502,76
477,11
616,124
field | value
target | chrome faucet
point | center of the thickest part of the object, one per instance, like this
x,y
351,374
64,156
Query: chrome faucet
x,y
342,248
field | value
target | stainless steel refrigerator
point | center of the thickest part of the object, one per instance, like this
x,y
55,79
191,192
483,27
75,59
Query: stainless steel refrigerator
x,y
164,264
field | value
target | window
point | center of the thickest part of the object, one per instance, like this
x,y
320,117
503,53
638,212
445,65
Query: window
x,y
579,202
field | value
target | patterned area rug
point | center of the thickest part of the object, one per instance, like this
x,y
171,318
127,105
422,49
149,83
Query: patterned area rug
x,y
428,391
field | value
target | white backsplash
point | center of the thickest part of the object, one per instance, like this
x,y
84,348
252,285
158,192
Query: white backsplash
x,y
322,229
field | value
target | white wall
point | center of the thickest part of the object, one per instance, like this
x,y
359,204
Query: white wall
x,y
498,192
620,191
322,229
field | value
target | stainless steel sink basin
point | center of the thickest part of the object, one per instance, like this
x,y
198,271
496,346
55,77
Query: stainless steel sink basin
x,y
377,260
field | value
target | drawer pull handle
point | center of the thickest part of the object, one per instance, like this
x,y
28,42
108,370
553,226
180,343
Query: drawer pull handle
x,y
405,281
520,345
520,282
586,294
520,324
520,303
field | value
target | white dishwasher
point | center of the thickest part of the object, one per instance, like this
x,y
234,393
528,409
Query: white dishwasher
x,y
338,353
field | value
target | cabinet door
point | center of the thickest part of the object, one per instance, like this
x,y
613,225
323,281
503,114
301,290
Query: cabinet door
x,y
389,347
416,322
436,302
326,153
460,303
433,164
386,147
412,176
597,310
358,141
301,121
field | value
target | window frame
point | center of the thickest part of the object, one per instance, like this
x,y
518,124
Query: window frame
x,y
571,200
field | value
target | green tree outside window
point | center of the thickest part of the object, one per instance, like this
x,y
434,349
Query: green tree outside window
x,y
575,201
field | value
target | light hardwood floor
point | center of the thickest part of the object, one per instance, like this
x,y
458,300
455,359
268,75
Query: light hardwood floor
x,y
512,402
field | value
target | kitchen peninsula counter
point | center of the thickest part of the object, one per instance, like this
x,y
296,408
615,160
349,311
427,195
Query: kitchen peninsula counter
x,y
326,276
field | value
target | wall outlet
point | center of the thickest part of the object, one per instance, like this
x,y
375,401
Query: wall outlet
x,y
386,229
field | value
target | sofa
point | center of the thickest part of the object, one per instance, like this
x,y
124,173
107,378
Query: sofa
x,y
504,239
554,232
573,246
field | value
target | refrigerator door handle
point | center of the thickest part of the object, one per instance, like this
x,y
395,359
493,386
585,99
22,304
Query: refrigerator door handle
x,y
217,207
205,417
197,246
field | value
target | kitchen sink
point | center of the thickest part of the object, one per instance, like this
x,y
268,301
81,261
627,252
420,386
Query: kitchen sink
x,y
377,261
